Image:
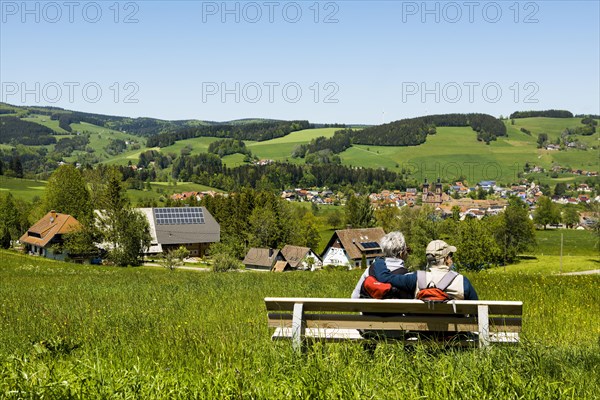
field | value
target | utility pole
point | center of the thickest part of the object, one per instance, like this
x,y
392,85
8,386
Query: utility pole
x,y
561,251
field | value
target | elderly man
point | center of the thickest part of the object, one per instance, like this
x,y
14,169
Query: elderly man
x,y
395,251
439,261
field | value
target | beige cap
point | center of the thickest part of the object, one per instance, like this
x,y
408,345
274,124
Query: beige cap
x,y
439,249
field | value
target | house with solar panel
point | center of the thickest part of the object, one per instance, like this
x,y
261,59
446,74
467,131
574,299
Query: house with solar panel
x,y
347,247
172,227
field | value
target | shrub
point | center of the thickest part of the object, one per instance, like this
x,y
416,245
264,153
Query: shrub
x,y
225,262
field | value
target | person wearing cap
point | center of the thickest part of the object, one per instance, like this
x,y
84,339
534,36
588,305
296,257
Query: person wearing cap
x,y
439,262
394,248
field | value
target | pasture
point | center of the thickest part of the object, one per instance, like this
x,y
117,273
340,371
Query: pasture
x,y
74,331
454,151
22,188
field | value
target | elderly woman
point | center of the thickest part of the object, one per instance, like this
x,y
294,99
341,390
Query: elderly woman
x,y
395,251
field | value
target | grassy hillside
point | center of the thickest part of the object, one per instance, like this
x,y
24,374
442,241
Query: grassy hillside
x,y
22,188
451,153
29,189
72,331
454,151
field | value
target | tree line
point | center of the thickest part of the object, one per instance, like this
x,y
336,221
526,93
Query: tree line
x,y
15,130
545,113
258,131
208,169
226,147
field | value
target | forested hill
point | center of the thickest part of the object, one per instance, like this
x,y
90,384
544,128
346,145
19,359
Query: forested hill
x,y
545,113
258,131
414,131
13,129
136,126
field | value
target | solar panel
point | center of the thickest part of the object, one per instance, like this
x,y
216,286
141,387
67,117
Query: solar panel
x,y
370,245
178,215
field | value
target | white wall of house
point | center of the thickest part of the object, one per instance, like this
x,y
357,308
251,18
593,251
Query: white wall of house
x,y
336,256
317,263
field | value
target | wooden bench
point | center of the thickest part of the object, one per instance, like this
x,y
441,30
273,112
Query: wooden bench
x,y
338,319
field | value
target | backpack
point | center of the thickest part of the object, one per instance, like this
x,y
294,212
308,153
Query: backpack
x,y
434,292
373,289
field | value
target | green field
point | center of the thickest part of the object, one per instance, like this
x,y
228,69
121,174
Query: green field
x,y
453,152
22,188
28,189
575,243
281,148
73,331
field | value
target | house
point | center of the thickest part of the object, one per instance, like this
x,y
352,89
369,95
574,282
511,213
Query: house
x,y
299,257
171,227
347,246
45,237
264,259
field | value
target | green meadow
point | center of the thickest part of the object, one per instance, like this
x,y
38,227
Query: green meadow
x,y
280,149
22,188
29,189
94,332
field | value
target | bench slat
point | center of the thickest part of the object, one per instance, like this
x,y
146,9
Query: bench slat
x,y
342,335
392,306
413,323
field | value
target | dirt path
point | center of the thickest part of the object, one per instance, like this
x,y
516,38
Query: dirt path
x,y
590,272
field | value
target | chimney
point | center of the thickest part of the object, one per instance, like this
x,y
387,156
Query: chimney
x,y
52,216
348,226
270,252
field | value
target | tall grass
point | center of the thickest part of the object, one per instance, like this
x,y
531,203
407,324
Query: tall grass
x,y
69,331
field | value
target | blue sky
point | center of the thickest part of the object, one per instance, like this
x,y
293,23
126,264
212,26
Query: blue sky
x,y
339,61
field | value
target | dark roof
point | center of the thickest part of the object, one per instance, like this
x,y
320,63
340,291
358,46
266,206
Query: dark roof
x,y
260,257
208,231
51,224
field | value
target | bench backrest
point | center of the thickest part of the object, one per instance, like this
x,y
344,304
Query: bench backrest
x,y
514,308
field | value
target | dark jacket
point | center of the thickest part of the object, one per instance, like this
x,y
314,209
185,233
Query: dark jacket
x,y
408,282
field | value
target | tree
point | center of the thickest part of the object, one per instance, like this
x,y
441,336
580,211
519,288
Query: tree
x,y
513,230
456,213
263,227
546,212
309,231
67,193
388,218
542,140
10,220
174,258
570,216
335,219
133,239
126,230
83,241
560,189
477,248
359,213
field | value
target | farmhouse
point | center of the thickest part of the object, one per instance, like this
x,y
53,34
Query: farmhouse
x,y
347,246
264,259
299,257
45,237
171,227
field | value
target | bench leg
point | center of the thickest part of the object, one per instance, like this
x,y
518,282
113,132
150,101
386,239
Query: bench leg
x,y
298,327
484,325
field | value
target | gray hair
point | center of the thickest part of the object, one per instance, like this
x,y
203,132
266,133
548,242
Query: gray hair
x,y
393,244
